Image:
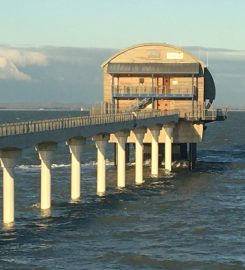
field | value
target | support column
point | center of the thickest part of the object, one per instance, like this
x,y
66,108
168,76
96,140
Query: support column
x,y
75,147
155,132
121,137
8,159
139,136
127,152
100,142
168,129
192,155
45,151
183,150
115,154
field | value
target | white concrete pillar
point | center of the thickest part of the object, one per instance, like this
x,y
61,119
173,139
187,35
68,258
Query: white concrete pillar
x,y
75,147
155,132
8,159
168,129
139,136
100,142
45,151
121,137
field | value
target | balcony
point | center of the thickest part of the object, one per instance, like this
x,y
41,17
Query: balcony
x,y
209,115
157,92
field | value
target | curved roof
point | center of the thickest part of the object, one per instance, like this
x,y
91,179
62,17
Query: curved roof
x,y
152,44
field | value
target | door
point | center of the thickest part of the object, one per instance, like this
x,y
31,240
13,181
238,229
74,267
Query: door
x,y
163,85
166,84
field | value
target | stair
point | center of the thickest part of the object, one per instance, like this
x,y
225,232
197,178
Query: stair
x,y
140,105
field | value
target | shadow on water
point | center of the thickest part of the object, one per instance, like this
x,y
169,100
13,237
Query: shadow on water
x,y
212,167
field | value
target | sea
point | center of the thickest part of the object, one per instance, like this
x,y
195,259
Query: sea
x,y
183,220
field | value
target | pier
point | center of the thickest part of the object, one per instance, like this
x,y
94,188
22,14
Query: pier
x,y
156,97
44,135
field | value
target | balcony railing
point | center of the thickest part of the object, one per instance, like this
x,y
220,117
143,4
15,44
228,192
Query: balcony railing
x,y
206,115
155,91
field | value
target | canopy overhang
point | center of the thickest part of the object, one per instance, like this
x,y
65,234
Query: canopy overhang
x,y
182,69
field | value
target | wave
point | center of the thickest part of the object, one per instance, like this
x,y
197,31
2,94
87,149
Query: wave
x,y
234,155
180,164
35,167
175,164
93,163
223,156
109,163
146,261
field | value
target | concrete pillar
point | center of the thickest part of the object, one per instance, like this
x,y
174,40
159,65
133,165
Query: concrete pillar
x,y
45,151
192,155
115,154
121,138
127,152
168,129
75,147
8,159
100,142
139,136
155,132
183,150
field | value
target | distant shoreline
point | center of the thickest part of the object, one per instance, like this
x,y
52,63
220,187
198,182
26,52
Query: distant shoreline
x,y
78,109
41,110
236,110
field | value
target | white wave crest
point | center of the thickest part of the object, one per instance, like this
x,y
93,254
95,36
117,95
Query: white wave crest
x,y
35,167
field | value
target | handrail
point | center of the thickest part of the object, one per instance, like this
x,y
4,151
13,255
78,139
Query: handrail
x,y
20,128
173,89
207,114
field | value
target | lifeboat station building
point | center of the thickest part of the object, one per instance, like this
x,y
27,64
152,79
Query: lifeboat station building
x,y
162,77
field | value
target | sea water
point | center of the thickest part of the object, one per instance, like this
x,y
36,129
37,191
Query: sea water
x,y
186,220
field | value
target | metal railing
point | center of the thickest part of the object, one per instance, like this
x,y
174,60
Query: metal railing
x,y
206,115
8,129
20,128
140,104
156,90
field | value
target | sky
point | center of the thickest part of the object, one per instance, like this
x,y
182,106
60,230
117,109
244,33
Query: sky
x,y
119,24
49,46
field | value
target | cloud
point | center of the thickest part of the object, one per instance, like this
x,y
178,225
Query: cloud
x,y
219,54
9,71
12,60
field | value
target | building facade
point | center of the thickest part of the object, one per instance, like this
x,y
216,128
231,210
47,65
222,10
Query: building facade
x,y
161,77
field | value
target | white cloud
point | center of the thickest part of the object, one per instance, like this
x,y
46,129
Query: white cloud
x,y
9,71
217,54
11,60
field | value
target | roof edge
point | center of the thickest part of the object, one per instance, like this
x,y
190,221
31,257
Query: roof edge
x,y
152,44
